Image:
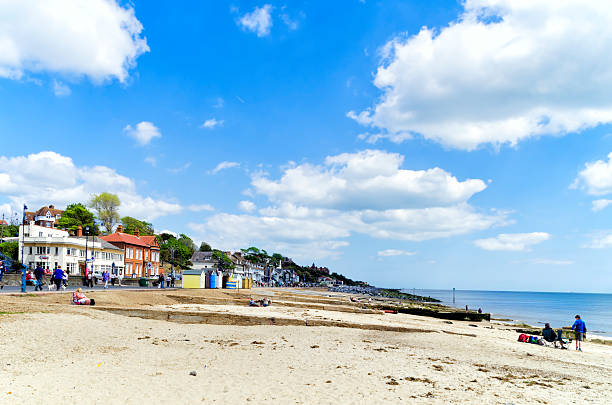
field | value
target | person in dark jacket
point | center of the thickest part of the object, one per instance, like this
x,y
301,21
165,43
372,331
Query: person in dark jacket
x,y
58,275
39,273
551,336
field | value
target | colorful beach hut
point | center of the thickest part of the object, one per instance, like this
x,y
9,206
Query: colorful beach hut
x,y
194,279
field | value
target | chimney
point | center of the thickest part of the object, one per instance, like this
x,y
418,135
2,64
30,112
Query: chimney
x,y
137,233
119,229
79,231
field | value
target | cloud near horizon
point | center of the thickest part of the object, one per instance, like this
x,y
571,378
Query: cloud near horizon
x,y
504,71
99,39
393,203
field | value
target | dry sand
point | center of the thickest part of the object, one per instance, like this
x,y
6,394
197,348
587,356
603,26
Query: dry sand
x,y
70,354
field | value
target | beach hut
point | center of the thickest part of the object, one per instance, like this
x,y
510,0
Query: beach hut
x,y
194,279
218,279
212,279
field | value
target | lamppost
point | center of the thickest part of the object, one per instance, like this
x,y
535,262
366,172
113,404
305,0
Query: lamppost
x,y
23,269
86,241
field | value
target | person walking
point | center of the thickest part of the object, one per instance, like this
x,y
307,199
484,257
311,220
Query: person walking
x,y
39,273
172,278
1,275
65,279
90,278
161,280
579,328
58,275
105,277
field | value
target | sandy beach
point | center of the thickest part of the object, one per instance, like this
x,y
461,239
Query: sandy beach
x,y
140,347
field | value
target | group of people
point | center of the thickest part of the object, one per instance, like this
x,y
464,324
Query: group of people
x,y
265,302
579,329
59,278
168,280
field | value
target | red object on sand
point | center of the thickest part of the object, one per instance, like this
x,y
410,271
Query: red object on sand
x,y
390,311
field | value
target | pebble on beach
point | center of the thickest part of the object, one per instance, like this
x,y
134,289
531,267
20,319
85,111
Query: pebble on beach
x,y
193,373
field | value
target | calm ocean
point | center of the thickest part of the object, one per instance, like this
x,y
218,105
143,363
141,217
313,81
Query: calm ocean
x,y
535,308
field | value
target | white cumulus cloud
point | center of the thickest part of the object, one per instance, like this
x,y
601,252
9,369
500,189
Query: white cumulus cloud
x,y
246,206
512,241
505,71
50,178
99,39
313,209
258,21
596,177
368,179
144,132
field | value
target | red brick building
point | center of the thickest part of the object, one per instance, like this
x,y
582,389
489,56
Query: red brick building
x,y
141,256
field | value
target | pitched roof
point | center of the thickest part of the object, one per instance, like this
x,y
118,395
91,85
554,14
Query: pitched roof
x,y
201,257
125,238
54,211
150,240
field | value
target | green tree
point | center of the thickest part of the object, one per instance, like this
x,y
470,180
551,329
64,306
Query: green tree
x,y
205,247
182,247
107,207
255,255
10,249
131,224
223,262
7,231
77,215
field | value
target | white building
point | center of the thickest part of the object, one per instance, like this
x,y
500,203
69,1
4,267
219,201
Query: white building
x,y
202,261
51,247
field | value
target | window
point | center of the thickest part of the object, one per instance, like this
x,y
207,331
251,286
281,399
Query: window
x,y
41,250
56,251
48,249
97,255
40,234
30,249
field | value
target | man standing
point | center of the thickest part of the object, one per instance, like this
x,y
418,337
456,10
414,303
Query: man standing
x,y
58,276
39,273
579,328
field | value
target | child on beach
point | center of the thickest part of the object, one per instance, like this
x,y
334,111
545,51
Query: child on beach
x,y
579,328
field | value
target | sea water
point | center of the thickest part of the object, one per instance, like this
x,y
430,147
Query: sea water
x,y
534,308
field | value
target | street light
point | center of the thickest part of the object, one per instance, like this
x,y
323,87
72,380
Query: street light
x,y
23,269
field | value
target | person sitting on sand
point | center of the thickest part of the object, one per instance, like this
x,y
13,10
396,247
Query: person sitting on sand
x,y
78,298
252,303
550,336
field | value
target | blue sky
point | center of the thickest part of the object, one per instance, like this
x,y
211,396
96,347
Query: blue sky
x,y
426,144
